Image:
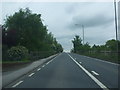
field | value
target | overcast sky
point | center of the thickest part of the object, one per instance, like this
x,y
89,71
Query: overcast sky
x,y
61,17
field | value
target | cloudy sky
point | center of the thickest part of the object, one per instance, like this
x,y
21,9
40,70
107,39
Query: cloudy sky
x,y
61,17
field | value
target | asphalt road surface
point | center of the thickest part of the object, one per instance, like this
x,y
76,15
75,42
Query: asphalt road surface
x,y
69,70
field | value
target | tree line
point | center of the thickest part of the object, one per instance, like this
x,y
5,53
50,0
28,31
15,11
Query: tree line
x,y
110,50
24,32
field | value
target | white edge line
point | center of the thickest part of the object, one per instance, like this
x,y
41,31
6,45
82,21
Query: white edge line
x,y
106,61
102,60
95,73
17,84
89,74
31,74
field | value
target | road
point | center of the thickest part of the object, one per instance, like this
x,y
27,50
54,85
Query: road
x,y
69,70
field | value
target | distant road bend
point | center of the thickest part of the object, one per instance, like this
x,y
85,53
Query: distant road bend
x,y
69,70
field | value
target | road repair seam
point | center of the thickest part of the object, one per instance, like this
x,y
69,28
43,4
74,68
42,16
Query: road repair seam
x,y
17,84
90,75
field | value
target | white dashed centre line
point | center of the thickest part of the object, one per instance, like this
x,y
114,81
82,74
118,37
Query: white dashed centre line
x,y
31,74
38,69
80,62
95,73
47,62
43,66
17,84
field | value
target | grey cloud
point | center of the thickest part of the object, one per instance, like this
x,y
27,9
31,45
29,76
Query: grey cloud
x,y
94,40
70,9
65,37
93,21
74,6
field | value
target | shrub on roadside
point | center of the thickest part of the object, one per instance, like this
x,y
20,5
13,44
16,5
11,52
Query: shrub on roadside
x,y
17,53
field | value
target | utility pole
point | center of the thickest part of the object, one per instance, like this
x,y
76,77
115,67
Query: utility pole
x,y
115,19
116,29
83,33
82,30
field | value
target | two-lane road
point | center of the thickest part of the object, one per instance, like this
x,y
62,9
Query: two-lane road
x,y
71,71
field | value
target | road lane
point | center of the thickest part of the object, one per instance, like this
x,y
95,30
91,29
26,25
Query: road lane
x,y
62,72
90,75
108,73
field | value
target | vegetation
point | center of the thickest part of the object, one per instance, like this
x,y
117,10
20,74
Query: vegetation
x,y
110,51
24,33
17,53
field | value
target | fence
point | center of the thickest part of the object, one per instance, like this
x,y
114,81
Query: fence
x,y
33,55
104,55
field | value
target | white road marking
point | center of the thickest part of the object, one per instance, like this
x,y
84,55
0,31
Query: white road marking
x,y
107,62
89,74
47,62
31,74
50,61
95,73
38,69
17,84
43,66
102,60
80,62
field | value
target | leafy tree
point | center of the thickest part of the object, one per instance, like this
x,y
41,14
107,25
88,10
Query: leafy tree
x,y
25,28
96,48
86,47
77,43
112,45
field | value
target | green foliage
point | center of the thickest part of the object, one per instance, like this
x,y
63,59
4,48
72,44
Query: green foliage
x,y
112,44
78,46
18,53
25,28
77,43
107,51
29,29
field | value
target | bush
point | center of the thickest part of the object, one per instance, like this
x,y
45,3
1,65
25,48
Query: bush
x,y
17,53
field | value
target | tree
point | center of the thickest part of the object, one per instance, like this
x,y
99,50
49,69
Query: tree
x,y
95,48
112,45
25,28
86,47
77,43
